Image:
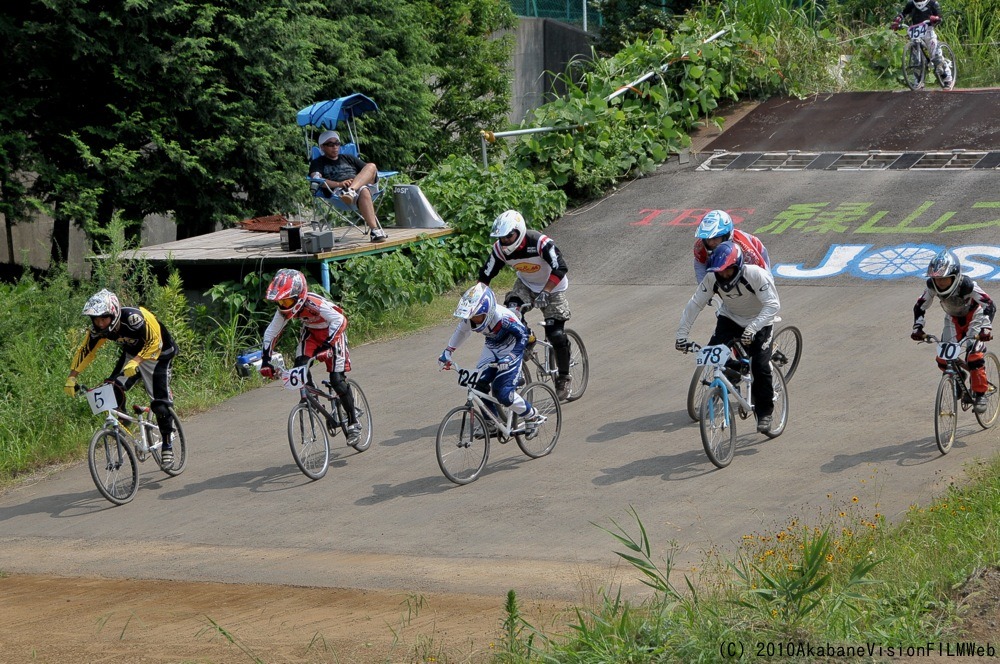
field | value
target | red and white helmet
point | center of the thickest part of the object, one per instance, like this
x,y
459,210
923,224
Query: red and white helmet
x,y
509,222
103,303
288,290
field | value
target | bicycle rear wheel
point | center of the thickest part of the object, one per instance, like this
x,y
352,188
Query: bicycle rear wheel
x,y
786,350
946,413
179,447
115,475
779,418
989,418
718,438
914,66
308,440
463,445
542,438
948,55
696,394
364,415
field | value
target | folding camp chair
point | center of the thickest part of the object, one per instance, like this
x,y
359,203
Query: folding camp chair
x,y
330,210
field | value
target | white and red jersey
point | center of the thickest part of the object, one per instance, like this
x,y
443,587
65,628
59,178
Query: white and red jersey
x,y
754,253
538,261
323,322
969,307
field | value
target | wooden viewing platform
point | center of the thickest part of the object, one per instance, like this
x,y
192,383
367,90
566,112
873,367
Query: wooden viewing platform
x,y
236,245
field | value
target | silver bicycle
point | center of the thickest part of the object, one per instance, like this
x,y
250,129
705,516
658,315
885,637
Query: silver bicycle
x,y
723,400
542,356
463,438
124,441
953,391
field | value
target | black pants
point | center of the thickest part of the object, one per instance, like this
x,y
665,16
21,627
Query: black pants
x,y
728,331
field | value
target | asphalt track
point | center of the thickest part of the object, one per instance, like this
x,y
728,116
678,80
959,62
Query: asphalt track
x,y
848,248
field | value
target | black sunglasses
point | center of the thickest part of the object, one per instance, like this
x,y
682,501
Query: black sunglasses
x,y
330,144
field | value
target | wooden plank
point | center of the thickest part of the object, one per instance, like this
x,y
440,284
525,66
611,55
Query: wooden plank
x,y
235,245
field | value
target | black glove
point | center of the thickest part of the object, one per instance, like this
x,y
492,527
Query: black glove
x,y
682,345
542,300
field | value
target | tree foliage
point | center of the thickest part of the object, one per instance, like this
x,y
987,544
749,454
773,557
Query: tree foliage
x,y
187,106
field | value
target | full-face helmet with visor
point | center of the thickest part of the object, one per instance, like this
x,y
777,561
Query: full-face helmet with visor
x,y
715,224
478,306
944,266
103,304
726,255
288,290
921,4
510,229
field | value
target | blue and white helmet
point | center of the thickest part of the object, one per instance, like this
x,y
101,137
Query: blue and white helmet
x,y
478,300
716,223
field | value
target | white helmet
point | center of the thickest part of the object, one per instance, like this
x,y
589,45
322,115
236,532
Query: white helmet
x,y
507,223
103,303
921,4
476,301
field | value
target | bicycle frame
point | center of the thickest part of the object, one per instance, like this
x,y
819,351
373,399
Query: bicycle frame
x,y
479,399
309,394
960,369
113,421
728,389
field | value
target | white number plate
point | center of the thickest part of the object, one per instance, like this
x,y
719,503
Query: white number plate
x,y
295,379
102,399
949,351
713,356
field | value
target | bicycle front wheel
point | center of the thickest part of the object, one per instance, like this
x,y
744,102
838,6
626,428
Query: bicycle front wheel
x,y
914,66
537,441
718,437
309,442
463,445
179,447
988,418
786,350
579,366
779,418
696,393
946,413
364,414
113,467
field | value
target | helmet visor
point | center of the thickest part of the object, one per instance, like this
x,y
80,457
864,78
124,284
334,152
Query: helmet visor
x,y
509,238
287,302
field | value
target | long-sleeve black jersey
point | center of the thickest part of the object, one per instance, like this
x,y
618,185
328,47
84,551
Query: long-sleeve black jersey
x,y
139,334
921,15
537,261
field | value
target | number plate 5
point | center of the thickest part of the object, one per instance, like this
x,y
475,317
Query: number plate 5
x,y
102,398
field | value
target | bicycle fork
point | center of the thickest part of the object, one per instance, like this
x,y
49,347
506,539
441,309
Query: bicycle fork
x,y
728,392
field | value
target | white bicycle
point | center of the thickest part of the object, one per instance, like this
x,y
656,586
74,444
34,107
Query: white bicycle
x,y
463,438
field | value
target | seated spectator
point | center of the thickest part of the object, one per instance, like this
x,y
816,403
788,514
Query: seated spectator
x,y
348,178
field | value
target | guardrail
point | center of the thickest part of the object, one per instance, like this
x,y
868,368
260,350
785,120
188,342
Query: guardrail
x,y
486,136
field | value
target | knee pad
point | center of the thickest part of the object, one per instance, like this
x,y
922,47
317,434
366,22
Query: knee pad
x,y
555,332
505,394
160,408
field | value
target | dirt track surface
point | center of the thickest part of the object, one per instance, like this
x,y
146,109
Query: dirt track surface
x,y
242,538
